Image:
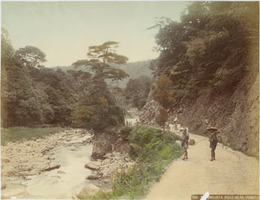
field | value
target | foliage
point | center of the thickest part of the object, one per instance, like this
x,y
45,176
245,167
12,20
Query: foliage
x,y
97,109
32,94
30,56
46,97
62,94
14,134
211,47
99,59
162,118
118,95
153,151
21,101
124,132
7,50
137,91
163,92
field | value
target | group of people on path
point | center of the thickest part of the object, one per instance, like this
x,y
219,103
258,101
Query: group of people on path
x,y
213,140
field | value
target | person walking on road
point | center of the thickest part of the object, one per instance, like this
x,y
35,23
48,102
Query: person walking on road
x,y
213,139
185,142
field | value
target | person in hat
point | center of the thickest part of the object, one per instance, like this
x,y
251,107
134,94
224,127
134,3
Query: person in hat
x,y
213,140
185,142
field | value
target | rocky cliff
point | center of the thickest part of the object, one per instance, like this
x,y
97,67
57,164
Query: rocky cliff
x,y
106,142
235,114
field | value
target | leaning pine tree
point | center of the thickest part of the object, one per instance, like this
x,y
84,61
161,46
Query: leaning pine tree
x,y
97,109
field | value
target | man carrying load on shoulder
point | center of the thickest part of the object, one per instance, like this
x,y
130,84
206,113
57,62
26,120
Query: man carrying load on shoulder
x,y
213,140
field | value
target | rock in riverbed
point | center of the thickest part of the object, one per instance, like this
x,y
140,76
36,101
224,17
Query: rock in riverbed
x,y
93,165
51,167
90,189
93,177
32,157
114,162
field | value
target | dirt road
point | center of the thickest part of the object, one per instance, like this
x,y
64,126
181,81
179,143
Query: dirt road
x,y
232,173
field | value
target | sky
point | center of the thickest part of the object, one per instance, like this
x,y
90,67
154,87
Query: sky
x,y
65,30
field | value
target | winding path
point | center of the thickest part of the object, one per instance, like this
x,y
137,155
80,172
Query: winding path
x,y
232,173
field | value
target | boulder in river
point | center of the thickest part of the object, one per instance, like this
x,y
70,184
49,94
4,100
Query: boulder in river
x,y
94,165
90,189
92,177
51,167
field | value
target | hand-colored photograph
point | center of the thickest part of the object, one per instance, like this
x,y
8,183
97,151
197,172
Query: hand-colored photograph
x,y
152,100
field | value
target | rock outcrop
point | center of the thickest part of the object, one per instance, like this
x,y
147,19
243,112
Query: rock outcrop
x,y
234,114
114,162
149,112
104,143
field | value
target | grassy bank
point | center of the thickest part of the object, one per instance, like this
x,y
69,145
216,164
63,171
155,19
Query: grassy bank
x,y
18,133
153,150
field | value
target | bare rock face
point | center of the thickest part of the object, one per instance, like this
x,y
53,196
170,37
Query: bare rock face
x,y
149,112
191,142
90,189
234,114
115,162
121,146
102,143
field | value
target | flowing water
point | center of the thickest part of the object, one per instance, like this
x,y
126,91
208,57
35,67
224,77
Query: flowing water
x,y
62,183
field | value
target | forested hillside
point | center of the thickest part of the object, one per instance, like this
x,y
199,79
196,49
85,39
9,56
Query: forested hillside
x,y
33,95
207,71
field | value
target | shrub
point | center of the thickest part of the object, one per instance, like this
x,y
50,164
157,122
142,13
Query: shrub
x,y
124,132
153,150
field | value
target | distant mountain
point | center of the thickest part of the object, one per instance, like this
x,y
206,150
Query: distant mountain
x,y
133,69
136,69
67,68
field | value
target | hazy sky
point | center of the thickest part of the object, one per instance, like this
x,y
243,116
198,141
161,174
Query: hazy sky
x,y
65,30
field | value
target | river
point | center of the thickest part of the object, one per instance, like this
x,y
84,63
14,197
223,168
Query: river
x,y
62,183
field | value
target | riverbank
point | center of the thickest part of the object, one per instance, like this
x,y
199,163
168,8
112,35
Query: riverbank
x,y
152,150
126,166
36,168
15,134
39,167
